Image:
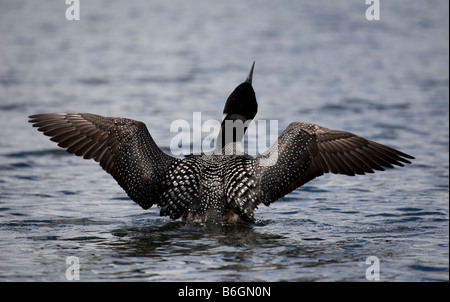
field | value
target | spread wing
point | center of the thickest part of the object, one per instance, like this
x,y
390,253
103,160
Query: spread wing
x,y
123,147
305,151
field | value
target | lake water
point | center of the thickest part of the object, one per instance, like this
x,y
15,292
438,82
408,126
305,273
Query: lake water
x,y
154,61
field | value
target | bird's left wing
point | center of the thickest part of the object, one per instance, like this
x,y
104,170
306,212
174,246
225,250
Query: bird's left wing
x,y
123,147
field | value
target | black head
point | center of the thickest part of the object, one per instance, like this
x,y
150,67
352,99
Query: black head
x,y
241,104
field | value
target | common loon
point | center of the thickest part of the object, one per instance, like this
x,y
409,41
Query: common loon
x,y
215,187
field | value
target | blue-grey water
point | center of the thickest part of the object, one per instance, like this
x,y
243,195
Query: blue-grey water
x,y
159,61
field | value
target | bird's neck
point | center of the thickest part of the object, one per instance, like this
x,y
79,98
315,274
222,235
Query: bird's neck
x,y
230,137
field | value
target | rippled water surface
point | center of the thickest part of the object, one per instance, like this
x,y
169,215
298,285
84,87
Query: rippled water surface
x,y
154,61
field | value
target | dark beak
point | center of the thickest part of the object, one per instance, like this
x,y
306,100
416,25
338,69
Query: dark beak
x,y
250,75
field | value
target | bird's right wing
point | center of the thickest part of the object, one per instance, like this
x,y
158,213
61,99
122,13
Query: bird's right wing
x,y
123,147
305,151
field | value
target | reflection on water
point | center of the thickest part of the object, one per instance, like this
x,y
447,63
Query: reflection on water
x,y
224,252
178,237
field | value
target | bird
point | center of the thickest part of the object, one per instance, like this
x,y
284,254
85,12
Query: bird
x,y
227,185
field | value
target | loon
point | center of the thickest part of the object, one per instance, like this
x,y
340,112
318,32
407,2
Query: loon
x,y
216,187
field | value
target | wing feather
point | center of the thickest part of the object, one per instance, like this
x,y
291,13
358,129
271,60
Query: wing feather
x,y
305,151
123,147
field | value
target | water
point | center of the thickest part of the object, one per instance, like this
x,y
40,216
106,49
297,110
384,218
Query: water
x,y
316,61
